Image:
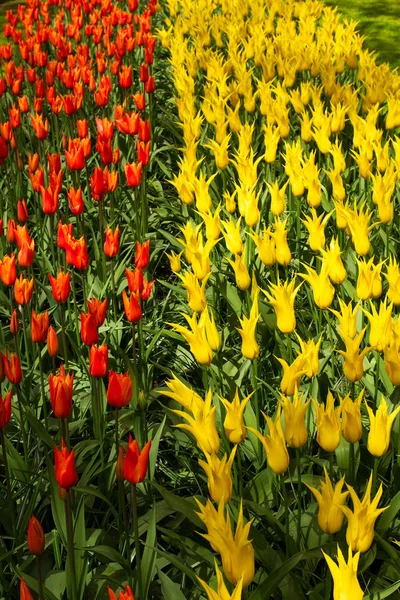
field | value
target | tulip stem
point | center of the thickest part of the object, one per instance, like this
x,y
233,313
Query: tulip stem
x,y
377,366
298,461
117,431
39,578
115,307
28,362
8,480
51,221
70,541
375,474
137,540
65,432
135,367
351,465
240,473
42,387
64,339
286,502
22,420
143,191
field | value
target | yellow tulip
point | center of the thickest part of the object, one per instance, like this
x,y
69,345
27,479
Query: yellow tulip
x,y
358,222
330,500
315,226
392,362
220,151
353,358
201,264
175,261
207,323
294,413
361,521
230,203
345,582
347,318
323,290
351,418
282,299
235,429
237,553
184,395
265,246
333,263
222,592
369,283
328,423
196,296
292,374
274,444
196,338
248,204
282,250
380,325
231,233
242,276
212,222
338,189
202,426
250,348
192,240
219,476
380,427
278,202
202,195
393,278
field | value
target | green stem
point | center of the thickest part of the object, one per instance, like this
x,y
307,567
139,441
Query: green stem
x,y
115,302
377,366
286,502
63,335
70,542
137,541
22,420
375,475
28,362
135,367
65,431
299,490
53,256
122,502
39,577
352,465
42,387
144,215
8,480
101,224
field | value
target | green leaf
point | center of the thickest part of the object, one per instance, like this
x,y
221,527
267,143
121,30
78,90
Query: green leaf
x,y
386,593
389,515
171,590
149,554
154,448
186,507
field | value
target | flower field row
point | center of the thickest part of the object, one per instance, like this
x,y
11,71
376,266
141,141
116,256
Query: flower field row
x,y
200,345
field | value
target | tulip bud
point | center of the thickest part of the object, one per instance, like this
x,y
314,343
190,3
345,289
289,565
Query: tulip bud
x,y
14,322
52,341
22,211
36,539
24,592
10,231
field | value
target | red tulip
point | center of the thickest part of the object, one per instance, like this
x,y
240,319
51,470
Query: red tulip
x,y
60,286
89,332
39,326
61,388
135,280
132,308
98,309
41,129
52,341
14,325
24,593
119,390
64,461
142,255
133,174
111,245
98,361
143,152
136,462
75,200
12,368
36,539
23,290
5,409
22,211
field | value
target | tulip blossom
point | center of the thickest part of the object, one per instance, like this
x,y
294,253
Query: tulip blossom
x,y
347,318
282,250
353,358
24,593
235,429
195,292
12,368
380,325
351,418
315,226
126,595
5,409
393,278
142,254
52,341
242,276
361,521
330,500
222,592
111,245
369,281
8,272
196,338
36,539
323,290
237,553
274,444
184,395
61,387
380,428
39,326
345,582
219,476
132,307
136,461
281,297
119,390
89,329
250,348
60,286
294,414
23,290
328,423
98,361
64,462
98,309
202,425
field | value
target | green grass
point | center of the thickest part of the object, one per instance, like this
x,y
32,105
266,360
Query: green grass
x,y
379,20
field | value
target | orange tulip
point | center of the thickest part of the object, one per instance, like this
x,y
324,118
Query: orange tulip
x,y
60,286
8,271
23,290
132,307
136,462
98,361
111,245
39,326
36,539
64,461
